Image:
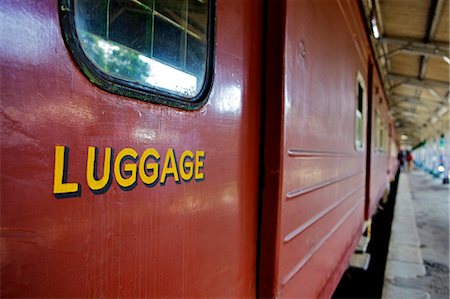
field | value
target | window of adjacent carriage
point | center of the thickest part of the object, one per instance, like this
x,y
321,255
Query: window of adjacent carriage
x,y
359,113
384,140
156,43
377,131
380,133
393,149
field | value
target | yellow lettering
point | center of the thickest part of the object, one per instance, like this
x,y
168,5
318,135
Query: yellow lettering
x,y
127,165
172,169
60,174
128,168
91,169
144,166
199,158
189,164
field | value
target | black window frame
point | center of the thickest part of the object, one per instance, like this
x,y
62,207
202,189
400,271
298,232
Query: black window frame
x,y
130,89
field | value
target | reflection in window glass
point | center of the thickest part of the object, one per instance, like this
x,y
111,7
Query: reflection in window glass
x,y
381,133
359,112
165,37
154,43
384,135
377,130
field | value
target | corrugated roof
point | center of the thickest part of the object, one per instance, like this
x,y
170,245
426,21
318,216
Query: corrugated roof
x,y
413,56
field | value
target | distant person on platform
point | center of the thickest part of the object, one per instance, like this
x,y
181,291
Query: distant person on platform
x,y
401,160
410,159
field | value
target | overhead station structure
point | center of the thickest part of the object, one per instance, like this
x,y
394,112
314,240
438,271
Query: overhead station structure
x,y
411,41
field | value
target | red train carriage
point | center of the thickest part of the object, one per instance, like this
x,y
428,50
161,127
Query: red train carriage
x,y
174,238
314,215
186,148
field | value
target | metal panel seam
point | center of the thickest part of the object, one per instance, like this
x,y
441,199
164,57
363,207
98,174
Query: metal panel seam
x,y
320,215
314,187
298,153
316,248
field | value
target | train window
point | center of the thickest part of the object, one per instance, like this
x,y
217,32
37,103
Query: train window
x,y
380,133
384,137
393,149
359,112
377,131
155,50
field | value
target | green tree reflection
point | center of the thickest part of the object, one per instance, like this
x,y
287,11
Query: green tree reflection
x,y
114,59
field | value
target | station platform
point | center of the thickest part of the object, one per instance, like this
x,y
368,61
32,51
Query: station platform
x,y
418,258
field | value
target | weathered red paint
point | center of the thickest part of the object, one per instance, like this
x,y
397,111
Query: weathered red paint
x,y
186,240
313,212
197,238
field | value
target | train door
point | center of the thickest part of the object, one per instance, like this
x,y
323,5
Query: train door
x,y
130,148
313,198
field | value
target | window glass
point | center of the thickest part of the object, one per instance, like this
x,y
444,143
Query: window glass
x,y
160,44
384,145
393,149
377,131
381,133
381,143
359,112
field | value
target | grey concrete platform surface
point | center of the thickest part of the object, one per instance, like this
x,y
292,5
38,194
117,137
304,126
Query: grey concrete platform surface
x,y
418,258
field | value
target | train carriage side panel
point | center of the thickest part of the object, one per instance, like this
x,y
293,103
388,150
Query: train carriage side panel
x,y
322,186
379,156
186,239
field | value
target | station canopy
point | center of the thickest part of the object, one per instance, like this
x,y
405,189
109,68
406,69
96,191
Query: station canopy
x,y
411,42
